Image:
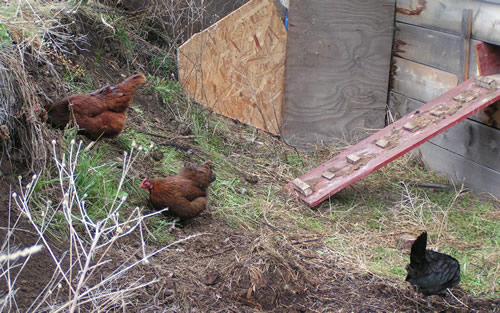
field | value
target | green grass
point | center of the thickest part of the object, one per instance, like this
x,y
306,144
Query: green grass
x,y
126,138
463,227
237,209
361,223
4,35
169,90
122,36
98,178
164,63
171,162
77,80
159,226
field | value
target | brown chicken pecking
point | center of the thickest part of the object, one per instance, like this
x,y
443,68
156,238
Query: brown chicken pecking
x,y
185,194
101,113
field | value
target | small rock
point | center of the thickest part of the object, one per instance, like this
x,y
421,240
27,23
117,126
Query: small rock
x,y
252,179
157,155
405,241
186,131
243,191
210,278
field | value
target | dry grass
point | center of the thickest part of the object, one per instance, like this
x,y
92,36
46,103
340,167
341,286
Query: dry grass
x,y
78,281
268,250
19,124
33,30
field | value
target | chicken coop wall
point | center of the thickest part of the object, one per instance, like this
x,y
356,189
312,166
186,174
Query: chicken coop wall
x,y
429,58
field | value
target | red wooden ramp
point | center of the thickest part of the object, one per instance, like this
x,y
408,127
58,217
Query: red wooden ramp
x,y
396,139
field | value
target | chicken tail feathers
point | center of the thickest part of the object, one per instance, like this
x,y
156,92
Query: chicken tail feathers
x,y
417,255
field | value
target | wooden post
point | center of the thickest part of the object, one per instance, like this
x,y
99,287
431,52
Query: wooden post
x,y
466,34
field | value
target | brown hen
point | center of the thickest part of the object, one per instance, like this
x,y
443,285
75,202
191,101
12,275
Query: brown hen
x,y
185,194
101,113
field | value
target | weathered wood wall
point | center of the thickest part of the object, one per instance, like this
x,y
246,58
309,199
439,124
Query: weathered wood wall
x,y
428,59
337,69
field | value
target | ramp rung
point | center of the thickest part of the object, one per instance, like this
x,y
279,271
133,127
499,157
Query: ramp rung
x,y
402,136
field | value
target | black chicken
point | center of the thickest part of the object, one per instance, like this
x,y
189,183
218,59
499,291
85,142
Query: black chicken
x,y
430,272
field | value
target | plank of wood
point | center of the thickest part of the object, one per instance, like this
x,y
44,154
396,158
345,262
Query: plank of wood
x,y
433,48
466,37
474,141
419,81
459,169
473,67
374,157
488,58
446,15
471,139
236,66
401,105
427,46
338,56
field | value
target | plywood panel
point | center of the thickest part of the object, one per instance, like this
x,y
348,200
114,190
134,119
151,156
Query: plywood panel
x,y
236,66
447,15
459,169
337,68
419,81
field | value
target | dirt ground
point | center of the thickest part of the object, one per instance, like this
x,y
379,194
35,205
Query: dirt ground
x,y
223,269
228,270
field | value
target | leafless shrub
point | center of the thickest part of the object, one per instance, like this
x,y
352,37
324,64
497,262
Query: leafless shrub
x,y
81,285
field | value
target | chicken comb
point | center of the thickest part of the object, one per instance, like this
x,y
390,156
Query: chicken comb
x,y
143,183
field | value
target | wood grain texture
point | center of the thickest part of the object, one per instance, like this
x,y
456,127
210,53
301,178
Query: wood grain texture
x,y
236,66
429,47
433,48
471,139
419,81
473,67
403,137
474,141
446,15
459,169
400,105
337,68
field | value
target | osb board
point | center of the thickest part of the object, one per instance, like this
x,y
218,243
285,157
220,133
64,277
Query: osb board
x,y
337,69
447,15
236,67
